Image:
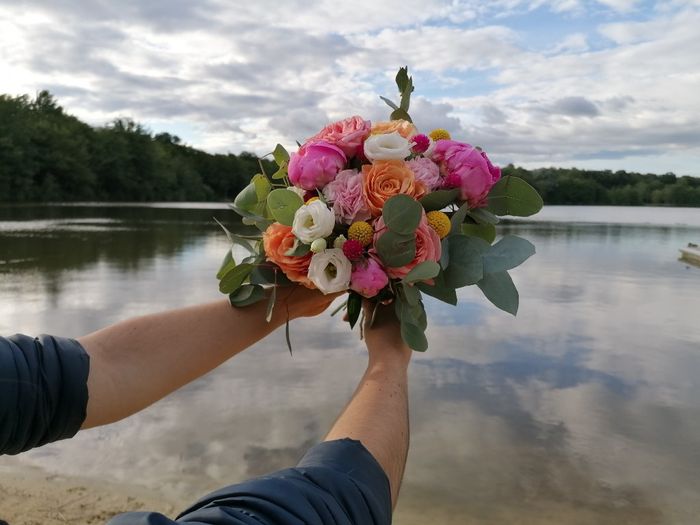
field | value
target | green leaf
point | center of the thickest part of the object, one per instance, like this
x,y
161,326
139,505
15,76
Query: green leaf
x,y
271,302
395,249
280,155
466,266
439,290
299,249
227,265
500,290
354,308
389,103
280,173
411,294
246,200
402,214
513,196
246,295
262,187
413,336
283,204
445,253
233,279
458,218
483,231
286,336
402,79
482,216
400,114
422,272
509,252
267,273
437,200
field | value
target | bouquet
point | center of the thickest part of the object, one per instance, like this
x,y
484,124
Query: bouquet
x,y
384,212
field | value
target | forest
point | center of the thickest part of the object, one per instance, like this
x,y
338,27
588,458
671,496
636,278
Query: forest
x,y
47,155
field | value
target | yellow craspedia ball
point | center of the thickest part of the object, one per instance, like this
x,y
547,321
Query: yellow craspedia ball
x,y
439,222
440,134
361,231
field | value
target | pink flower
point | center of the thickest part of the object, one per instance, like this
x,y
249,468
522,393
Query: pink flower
x,y
368,278
426,171
315,165
348,134
421,143
472,166
428,247
345,192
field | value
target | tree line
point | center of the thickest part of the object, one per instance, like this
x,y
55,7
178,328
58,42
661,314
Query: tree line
x,y
47,155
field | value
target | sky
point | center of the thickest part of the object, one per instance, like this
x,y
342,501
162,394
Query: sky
x,y
599,84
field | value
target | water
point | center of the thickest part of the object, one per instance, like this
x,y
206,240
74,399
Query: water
x,y
583,409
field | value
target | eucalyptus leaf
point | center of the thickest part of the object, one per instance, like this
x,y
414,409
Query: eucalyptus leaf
x,y
354,308
227,265
262,187
268,274
280,173
298,249
439,290
395,249
483,216
283,204
271,302
422,272
445,252
500,290
246,295
483,231
402,214
400,114
513,196
246,200
413,336
506,254
286,336
458,218
389,103
402,79
233,279
439,199
411,294
280,155
466,265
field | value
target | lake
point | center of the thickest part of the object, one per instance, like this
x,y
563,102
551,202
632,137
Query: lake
x,y
585,408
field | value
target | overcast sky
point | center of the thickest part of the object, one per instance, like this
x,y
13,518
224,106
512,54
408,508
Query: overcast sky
x,y
598,84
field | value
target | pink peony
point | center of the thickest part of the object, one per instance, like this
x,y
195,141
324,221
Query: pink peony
x,y
472,166
348,134
315,165
428,247
426,171
345,192
368,278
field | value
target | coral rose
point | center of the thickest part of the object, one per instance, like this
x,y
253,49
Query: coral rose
x,y
467,168
277,240
403,127
348,134
386,178
428,247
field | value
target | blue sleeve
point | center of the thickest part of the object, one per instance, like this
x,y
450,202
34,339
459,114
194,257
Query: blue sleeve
x,y
43,391
336,483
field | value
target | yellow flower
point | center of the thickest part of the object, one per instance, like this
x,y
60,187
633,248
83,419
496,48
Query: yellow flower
x,y
439,134
439,222
362,232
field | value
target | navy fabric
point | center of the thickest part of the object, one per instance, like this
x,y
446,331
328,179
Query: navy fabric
x,y
43,391
336,483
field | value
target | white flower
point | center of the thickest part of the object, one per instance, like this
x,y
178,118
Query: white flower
x,y
389,146
339,241
330,271
313,221
429,152
318,245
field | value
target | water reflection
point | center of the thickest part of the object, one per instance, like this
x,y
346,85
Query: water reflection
x,y
581,410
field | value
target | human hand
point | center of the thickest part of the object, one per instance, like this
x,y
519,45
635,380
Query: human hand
x,y
303,302
383,337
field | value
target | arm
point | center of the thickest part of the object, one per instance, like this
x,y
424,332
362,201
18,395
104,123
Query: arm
x,y
377,414
137,362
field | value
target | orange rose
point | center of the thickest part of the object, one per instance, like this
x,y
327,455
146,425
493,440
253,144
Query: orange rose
x,y
405,128
277,240
386,178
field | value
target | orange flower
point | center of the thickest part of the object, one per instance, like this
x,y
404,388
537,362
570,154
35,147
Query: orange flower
x,y
277,240
386,178
405,128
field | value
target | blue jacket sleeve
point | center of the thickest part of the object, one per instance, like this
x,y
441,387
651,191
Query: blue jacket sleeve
x,y
336,483
43,391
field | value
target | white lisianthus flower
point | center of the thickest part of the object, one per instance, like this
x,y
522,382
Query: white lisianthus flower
x,y
313,221
330,271
389,146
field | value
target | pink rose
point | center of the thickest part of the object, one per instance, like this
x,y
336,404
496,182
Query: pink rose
x,y
473,168
315,165
428,247
345,192
426,171
348,134
368,278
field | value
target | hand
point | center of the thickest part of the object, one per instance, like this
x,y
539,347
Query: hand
x,y
303,302
384,341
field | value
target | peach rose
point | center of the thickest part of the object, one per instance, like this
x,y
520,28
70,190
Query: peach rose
x,y
386,178
404,128
277,240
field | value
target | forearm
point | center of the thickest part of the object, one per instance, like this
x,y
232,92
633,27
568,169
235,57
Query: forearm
x,y
137,362
377,415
